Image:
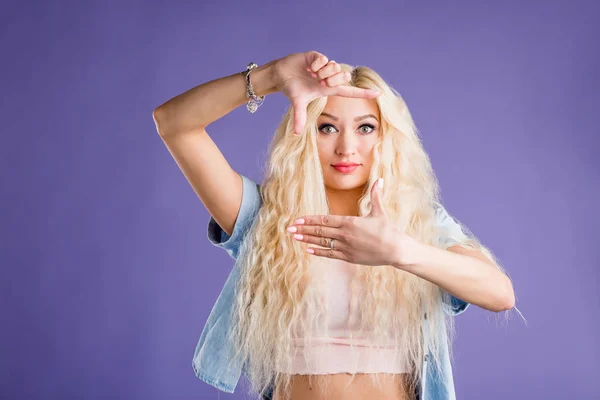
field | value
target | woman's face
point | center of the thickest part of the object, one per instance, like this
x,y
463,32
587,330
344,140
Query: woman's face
x,y
347,130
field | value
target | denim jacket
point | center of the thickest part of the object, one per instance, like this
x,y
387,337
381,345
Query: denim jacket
x,y
213,351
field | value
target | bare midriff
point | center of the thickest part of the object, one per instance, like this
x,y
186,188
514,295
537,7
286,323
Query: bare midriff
x,y
344,387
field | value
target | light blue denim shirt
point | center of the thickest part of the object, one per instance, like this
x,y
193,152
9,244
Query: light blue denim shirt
x,y
214,351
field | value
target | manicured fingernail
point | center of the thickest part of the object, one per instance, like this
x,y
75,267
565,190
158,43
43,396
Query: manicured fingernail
x,y
323,83
311,251
314,75
298,237
299,221
292,229
380,183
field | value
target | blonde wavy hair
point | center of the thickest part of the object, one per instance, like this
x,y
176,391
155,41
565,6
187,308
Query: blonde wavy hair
x,y
278,296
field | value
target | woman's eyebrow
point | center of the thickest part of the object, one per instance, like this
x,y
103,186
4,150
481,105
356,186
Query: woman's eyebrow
x,y
333,117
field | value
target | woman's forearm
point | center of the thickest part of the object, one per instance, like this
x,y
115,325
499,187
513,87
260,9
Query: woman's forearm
x,y
465,275
202,105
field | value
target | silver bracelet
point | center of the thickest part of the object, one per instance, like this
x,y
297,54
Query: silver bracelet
x,y
254,101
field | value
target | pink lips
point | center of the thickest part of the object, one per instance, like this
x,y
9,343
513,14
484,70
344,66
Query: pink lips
x,y
345,169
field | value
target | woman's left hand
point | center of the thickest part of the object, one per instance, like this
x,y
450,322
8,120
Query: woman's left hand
x,y
369,240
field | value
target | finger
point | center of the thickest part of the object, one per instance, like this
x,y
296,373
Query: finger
x,y
376,200
339,78
318,63
352,91
299,116
330,69
319,241
328,253
336,221
319,231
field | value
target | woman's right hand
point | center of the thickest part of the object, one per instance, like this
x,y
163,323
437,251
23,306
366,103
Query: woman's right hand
x,y
303,77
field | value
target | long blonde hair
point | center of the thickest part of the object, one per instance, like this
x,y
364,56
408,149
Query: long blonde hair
x,y
276,295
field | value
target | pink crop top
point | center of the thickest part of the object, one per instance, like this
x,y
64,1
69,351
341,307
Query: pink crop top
x,y
332,353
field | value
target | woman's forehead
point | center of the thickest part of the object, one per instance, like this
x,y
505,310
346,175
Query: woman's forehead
x,y
345,107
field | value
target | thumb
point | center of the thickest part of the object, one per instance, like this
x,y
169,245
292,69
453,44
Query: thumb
x,y
299,115
377,198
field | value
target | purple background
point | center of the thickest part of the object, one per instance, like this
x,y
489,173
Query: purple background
x,y
107,274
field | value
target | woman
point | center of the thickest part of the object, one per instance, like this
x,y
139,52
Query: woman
x,y
342,287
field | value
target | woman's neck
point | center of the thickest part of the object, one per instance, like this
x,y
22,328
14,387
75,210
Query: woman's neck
x,y
343,202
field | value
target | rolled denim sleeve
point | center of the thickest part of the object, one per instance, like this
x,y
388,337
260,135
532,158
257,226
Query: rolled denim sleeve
x,y
251,202
450,231
450,235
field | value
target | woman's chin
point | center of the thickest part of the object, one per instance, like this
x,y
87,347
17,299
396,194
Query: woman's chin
x,y
346,183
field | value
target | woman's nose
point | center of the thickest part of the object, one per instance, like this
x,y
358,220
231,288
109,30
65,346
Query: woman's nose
x,y
347,144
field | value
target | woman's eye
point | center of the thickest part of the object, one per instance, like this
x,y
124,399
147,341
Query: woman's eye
x,y
371,128
324,127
